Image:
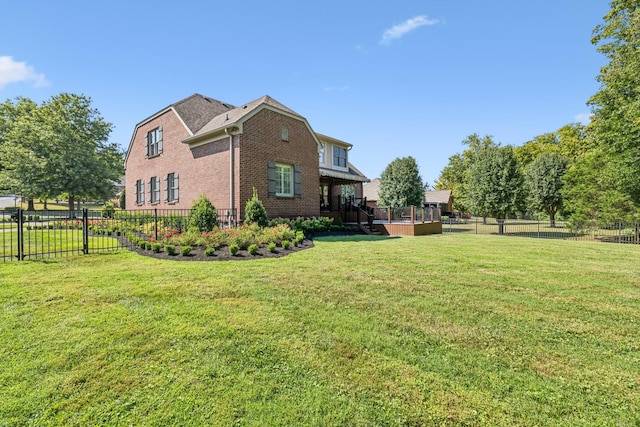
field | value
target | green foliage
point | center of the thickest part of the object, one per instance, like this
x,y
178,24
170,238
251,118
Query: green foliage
x,y
271,247
185,250
616,111
58,147
122,200
233,249
170,249
544,181
309,226
108,210
286,244
401,184
203,214
253,249
254,211
494,182
454,176
210,251
155,247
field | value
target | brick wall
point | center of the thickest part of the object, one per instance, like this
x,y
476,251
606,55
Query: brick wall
x,y
205,168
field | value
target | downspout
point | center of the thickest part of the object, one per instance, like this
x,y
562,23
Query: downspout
x,y
232,196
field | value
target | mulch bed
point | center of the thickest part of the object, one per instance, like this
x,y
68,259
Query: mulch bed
x,y
222,254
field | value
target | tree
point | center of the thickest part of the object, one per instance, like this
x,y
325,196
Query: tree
x,y
616,110
61,147
254,211
204,216
543,179
454,176
401,184
494,183
23,150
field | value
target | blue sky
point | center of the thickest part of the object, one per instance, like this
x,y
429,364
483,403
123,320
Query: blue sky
x,y
393,78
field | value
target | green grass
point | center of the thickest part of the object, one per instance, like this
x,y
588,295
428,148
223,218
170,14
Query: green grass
x,y
435,330
37,242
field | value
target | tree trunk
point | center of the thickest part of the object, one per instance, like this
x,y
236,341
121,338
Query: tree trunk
x,y
30,205
552,219
500,226
71,203
45,205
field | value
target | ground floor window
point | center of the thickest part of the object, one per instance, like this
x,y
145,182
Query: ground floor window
x,y
171,187
154,190
284,180
139,192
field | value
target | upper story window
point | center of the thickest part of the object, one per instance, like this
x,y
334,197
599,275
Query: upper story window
x,y
154,142
321,154
285,133
340,157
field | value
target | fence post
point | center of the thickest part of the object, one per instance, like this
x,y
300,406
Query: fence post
x,y
538,228
20,220
413,214
155,224
85,231
389,214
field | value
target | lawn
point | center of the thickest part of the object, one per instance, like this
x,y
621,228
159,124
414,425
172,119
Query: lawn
x,y
437,330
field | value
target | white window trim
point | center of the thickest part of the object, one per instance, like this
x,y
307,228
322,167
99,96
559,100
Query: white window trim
x,y
280,167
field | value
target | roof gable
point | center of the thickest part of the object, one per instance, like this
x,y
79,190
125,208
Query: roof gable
x,y
197,110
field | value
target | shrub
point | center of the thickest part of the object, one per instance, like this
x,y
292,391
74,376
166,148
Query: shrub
x,y
271,247
255,211
122,200
203,214
108,210
253,249
155,247
170,249
185,250
209,251
233,249
286,244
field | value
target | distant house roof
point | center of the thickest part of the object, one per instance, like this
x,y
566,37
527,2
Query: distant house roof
x,y
370,190
437,196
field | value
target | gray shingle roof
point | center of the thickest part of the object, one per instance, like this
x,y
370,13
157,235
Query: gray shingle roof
x,y
197,110
233,115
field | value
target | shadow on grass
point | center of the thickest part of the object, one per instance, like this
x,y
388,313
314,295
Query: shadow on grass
x,y
352,238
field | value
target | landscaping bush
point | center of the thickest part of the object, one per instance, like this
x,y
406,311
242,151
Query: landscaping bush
x,y
233,249
253,249
271,247
203,214
209,251
155,247
286,244
185,250
170,249
108,210
255,211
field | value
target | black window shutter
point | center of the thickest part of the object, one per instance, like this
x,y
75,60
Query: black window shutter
x,y
159,140
297,181
271,178
166,189
146,146
176,195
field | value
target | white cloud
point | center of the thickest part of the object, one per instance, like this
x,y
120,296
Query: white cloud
x,y
398,31
14,72
584,118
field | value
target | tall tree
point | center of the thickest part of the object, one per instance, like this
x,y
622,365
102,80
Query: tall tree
x,y
543,179
453,176
61,147
616,106
494,183
401,184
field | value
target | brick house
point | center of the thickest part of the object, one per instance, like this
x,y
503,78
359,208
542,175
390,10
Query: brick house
x,y
203,146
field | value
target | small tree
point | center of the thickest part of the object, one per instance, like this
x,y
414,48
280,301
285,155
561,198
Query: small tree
x,y
122,201
401,184
204,216
254,211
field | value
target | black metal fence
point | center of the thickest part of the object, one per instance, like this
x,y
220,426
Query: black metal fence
x,y
53,233
617,232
